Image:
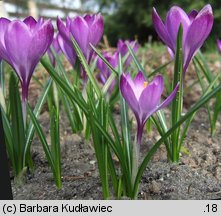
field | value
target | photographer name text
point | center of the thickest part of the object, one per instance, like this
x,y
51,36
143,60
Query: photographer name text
x,y
61,208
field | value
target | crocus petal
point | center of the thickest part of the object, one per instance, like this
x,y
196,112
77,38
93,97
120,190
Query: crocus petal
x,y
207,9
63,30
30,22
170,51
67,49
127,92
104,70
192,15
150,97
175,17
139,83
68,22
80,32
56,45
164,104
40,21
114,60
17,41
219,45
96,29
197,33
131,82
161,29
89,19
169,98
42,39
121,47
3,26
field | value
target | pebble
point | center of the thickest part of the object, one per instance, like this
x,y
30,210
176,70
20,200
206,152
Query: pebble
x,y
154,187
92,162
218,172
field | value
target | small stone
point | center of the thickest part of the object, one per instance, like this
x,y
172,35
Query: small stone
x,y
92,162
161,179
157,137
218,172
217,124
154,187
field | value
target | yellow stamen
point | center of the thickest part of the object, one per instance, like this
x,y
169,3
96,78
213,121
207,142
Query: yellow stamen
x,y
145,84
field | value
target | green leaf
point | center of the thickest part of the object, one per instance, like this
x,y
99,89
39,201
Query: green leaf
x,y
125,125
216,111
177,103
139,66
17,124
37,110
159,69
55,144
207,73
86,67
108,83
42,139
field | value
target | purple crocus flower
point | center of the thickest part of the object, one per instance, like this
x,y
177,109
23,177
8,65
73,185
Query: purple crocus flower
x,y
144,98
56,48
105,72
85,30
196,28
123,49
219,45
22,44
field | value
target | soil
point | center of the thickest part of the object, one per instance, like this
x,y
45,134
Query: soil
x,y
197,176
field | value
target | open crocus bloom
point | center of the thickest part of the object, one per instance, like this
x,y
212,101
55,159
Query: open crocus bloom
x,y
219,45
22,44
196,28
123,49
143,97
85,30
105,72
56,48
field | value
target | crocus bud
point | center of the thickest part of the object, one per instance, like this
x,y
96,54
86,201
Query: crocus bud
x,y
123,49
105,72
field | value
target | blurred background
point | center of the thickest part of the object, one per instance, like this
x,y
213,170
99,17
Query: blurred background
x,y
126,19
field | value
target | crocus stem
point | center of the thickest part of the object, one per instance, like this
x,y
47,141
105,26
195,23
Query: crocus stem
x,y
24,110
24,103
136,151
